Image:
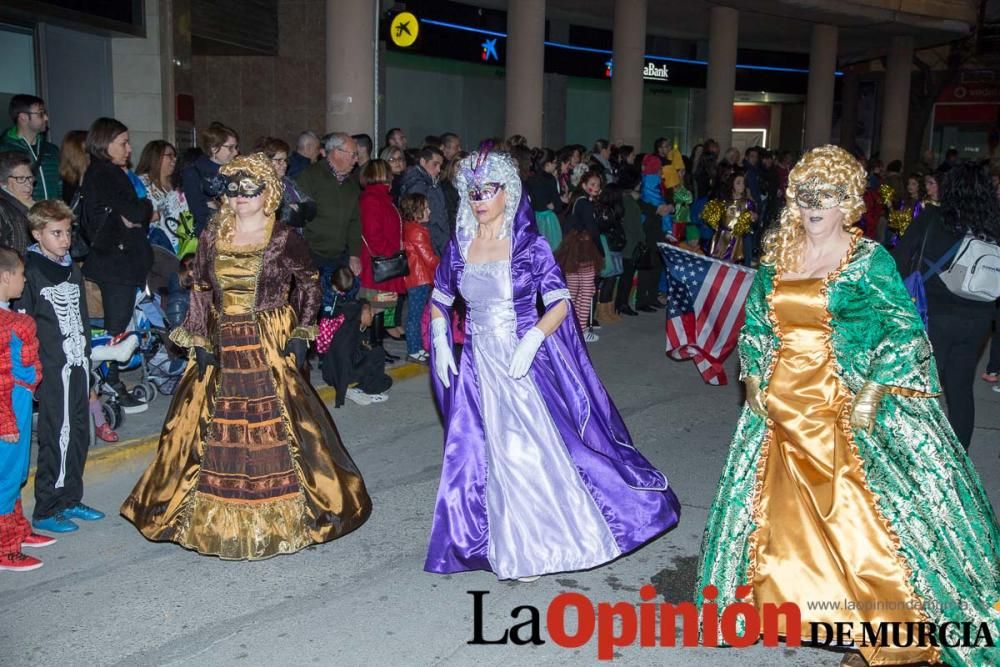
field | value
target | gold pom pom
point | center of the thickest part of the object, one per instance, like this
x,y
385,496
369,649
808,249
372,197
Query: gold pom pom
x,y
887,193
743,223
713,212
900,220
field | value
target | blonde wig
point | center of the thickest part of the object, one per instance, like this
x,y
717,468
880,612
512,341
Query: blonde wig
x,y
258,167
825,166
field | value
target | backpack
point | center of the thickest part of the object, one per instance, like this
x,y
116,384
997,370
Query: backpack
x,y
975,273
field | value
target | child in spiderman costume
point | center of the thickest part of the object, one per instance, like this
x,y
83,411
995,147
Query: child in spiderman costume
x,y
19,375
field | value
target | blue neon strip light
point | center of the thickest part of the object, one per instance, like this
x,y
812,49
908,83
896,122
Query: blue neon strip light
x,y
607,52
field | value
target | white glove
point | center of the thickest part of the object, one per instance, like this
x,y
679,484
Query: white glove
x,y
525,353
444,360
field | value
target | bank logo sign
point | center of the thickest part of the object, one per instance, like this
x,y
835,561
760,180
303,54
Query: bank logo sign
x,y
650,71
656,72
404,29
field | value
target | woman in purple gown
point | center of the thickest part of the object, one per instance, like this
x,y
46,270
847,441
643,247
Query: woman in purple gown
x,y
539,474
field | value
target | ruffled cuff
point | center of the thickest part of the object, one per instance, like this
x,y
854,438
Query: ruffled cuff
x,y
181,337
442,297
552,296
305,332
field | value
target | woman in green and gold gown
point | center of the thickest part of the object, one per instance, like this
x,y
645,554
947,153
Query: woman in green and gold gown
x,y
845,482
249,464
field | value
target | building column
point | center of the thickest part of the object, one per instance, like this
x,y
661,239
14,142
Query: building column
x,y
850,88
819,99
629,44
525,69
723,38
350,67
896,99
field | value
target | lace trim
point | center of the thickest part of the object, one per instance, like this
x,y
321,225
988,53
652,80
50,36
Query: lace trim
x,y
442,297
305,332
552,296
184,338
496,267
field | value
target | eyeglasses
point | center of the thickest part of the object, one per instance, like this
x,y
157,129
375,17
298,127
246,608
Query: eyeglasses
x,y
353,154
21,180
172,156
395,159
232,147
43,112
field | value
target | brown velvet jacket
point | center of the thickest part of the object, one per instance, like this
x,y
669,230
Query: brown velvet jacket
x,y
287,277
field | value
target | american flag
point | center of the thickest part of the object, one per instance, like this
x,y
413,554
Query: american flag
x,y
705,300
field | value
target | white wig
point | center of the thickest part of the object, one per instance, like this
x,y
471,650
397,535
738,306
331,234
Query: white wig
x,y
479,168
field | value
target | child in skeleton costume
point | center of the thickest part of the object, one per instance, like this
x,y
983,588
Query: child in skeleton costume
x,y
19,375
54,296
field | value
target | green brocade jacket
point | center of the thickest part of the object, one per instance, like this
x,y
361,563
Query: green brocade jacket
x,y
925,485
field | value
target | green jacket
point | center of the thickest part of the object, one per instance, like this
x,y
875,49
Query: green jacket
x,y
44,162
337,225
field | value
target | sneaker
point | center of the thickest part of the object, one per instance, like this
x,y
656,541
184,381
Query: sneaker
x,y
379,398
19,562
529,580
996,388
590,337
130,404
36,541
419,357
990,377
105,433
57,523
83,512
358,396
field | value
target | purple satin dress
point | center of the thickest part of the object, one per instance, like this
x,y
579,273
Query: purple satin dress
x,y
539,474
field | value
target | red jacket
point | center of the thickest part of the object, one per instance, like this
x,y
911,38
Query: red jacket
x,y
419,254
382,234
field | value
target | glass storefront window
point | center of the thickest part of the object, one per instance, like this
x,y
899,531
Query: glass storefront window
x,y
17,67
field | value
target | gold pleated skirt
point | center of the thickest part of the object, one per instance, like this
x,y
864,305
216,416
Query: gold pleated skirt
x,y
250,464
820,537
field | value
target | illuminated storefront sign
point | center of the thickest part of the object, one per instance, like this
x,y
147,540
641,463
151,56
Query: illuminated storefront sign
x,y
654,72
651,71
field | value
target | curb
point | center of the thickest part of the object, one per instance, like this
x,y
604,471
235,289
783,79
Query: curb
x,y
109,456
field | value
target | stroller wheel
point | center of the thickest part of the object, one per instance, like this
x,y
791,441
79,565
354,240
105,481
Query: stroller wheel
x,y
144,392
113,414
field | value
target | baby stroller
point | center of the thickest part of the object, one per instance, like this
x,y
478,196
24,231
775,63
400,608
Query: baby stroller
x,y
148,331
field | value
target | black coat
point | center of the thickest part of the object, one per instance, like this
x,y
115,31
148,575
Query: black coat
x,y
118,255
13,223
940,239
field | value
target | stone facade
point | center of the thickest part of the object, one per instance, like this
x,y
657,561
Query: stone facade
x,y
265,95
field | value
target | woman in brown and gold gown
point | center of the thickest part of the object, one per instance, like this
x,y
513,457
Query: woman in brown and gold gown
x,y
249,464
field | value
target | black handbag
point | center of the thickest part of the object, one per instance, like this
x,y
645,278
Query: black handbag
x,y
393,266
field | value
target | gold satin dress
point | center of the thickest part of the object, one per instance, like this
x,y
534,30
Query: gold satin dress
x,y
250,464
820,536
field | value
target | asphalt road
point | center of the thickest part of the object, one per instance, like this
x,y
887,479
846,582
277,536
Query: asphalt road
x,y
106,596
